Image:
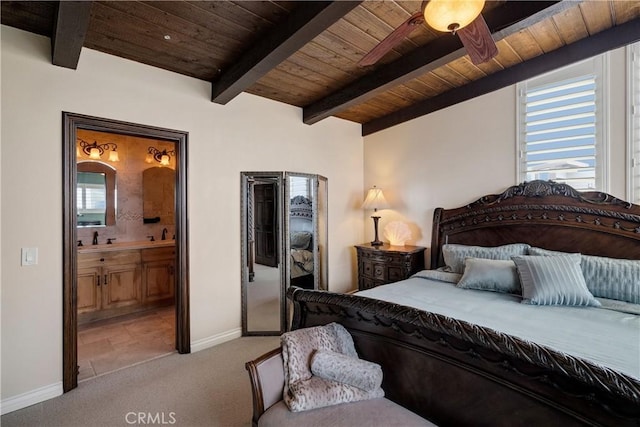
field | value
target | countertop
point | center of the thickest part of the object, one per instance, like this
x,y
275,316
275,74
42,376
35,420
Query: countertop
x,y
122,246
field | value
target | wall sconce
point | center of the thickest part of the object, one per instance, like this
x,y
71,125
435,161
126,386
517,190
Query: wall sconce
x,y
375,200
163,157
450,16
95,150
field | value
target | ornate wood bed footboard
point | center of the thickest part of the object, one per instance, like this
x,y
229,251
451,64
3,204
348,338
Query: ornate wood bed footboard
x,y
456,373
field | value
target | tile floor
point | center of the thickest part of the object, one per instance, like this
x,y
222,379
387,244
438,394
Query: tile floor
x,y
113,344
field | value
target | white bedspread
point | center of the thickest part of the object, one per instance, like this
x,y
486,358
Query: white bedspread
x,y
605,337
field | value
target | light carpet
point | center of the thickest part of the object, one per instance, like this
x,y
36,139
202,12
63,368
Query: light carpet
x,y
207,388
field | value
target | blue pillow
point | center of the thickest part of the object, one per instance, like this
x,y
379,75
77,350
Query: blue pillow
x,y
490,275
454,255
610,278
553,280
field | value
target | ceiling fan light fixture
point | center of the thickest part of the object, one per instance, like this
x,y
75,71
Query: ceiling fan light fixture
x,y
451,15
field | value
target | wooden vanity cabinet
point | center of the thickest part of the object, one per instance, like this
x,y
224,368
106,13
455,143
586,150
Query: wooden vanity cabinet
x,y
158,275
109,284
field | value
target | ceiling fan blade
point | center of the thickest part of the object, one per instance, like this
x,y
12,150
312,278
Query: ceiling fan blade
x,y
477,39
392,40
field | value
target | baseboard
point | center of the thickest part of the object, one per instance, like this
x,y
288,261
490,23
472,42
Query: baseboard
x,y
214,340
29,398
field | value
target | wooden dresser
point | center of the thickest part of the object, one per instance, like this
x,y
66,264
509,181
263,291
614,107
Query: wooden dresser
x,y
378,265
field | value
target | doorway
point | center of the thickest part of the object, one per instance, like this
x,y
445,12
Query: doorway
x,y
72,123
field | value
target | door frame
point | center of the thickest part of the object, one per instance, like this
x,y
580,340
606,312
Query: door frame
x,y
71,122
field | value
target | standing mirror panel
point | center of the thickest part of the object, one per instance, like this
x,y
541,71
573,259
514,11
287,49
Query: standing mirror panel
x,y
284,243
323,233
263,304
301,230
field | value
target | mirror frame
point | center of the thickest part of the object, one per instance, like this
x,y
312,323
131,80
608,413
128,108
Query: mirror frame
x,y
71,122
245,178
110,183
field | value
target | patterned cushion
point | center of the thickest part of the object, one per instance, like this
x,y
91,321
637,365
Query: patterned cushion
x,y
346,369
553,280
302,390
454,255
490,275
610,278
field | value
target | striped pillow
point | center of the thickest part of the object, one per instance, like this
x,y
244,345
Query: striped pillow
x,y
554,280
609,278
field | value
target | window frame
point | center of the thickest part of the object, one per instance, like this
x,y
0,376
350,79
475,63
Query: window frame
x,y
597,66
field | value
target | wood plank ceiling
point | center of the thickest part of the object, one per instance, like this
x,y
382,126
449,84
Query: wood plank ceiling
x,y
306,53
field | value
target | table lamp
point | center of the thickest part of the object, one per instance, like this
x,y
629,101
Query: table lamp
x,y
375,200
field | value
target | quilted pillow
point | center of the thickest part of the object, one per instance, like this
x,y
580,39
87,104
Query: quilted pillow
x,y
610,278
346,369
454,254
490,275
303,390
300,239
553,280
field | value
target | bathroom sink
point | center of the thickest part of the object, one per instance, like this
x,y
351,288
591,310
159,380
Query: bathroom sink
x,y
119,246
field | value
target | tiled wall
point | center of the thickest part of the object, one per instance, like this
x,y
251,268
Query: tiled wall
x,y
132,152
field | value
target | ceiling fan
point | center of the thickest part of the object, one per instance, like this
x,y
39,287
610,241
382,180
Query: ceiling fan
x,y
461,17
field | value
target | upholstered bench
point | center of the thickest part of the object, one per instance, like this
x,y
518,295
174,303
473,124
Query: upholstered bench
x,y
267,383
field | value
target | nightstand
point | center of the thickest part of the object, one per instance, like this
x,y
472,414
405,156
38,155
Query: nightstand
x,y
378,265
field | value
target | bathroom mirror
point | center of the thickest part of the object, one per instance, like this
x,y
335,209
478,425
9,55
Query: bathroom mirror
x,y
158,195
284,243
95,194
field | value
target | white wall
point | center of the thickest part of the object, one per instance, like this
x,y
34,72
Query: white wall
x,y
452,156
250,133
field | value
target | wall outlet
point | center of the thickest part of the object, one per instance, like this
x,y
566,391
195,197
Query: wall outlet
x,y
29,256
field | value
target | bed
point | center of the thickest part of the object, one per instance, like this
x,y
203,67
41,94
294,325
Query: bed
x,y
301,243
475,357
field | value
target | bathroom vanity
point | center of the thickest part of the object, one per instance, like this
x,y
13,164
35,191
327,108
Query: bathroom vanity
x,y
116,279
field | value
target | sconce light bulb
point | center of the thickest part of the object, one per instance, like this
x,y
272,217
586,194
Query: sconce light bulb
x,y
78,151
113,156
164,160
149,158
94,153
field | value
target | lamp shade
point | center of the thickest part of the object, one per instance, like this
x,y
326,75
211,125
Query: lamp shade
x,y
451,15
375,200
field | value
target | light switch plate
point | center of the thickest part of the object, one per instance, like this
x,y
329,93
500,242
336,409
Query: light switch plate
x,y
29,256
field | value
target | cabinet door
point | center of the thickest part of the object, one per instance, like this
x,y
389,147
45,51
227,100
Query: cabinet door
x,y
89,289
121,286
158,281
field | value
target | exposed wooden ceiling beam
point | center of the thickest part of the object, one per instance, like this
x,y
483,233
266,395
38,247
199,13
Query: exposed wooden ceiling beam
x,y
604,41
302,26
510,18
69,30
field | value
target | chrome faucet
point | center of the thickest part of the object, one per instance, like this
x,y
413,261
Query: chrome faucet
x,y
95,238
164,234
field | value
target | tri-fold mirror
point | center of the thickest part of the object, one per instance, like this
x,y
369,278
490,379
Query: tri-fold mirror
x,y
284,243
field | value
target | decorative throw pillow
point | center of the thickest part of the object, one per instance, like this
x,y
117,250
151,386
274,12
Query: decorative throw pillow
x,y
302,390
346,369
610,278
454,254
490,275
300,239
440,275
553,280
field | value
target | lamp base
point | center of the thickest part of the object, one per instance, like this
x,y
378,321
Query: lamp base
x,y
376,241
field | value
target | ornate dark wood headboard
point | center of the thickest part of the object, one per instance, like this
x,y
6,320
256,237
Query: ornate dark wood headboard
x,y
545,214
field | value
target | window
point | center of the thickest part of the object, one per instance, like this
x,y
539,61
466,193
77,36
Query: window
x,y
634,122
561,122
